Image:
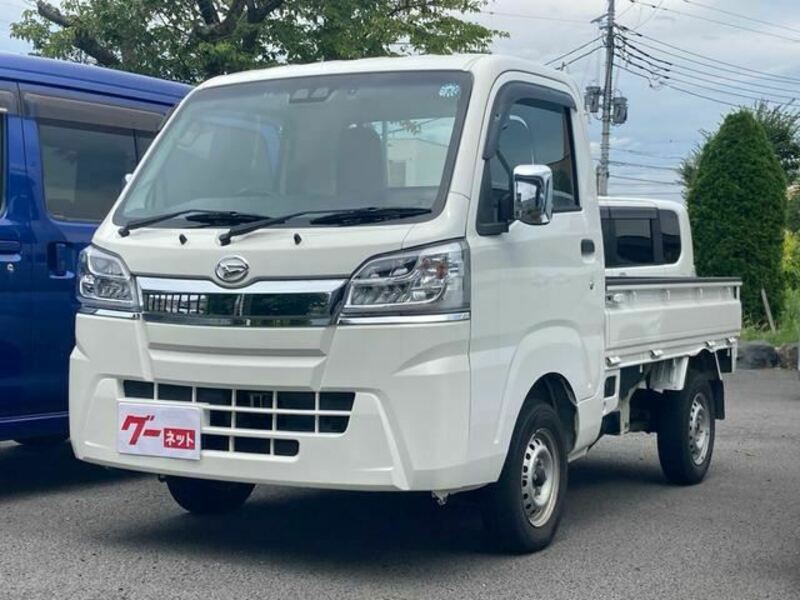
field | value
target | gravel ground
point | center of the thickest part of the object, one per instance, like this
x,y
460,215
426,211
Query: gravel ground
x,y
71,530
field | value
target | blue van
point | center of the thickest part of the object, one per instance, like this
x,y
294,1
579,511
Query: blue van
x,y
69,134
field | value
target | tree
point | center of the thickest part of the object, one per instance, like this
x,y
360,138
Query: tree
x,y
192,40
782,125
737,203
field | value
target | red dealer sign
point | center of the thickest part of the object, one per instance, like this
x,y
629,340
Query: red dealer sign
x,y
159,430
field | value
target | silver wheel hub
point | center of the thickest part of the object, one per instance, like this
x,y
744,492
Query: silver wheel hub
x,y
540,477
699,429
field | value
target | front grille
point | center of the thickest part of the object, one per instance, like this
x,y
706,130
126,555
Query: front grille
x,y
241,420
261,304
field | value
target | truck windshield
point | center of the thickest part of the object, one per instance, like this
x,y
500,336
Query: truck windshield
x,y
299,145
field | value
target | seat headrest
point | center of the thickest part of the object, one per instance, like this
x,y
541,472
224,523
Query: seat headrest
x,y
361,168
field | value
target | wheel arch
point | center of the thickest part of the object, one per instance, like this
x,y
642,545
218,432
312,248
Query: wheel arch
x,y
708,363
555,390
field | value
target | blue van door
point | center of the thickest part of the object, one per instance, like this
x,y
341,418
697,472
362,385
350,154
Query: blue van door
x,y
15,260
80,146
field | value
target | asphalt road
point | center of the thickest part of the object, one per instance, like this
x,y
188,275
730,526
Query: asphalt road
x,y
69,530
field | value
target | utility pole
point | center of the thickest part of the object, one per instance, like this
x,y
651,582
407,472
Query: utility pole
x,y
602,168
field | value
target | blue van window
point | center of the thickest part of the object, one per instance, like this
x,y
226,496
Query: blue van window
x,y
84,168
2,163
143,141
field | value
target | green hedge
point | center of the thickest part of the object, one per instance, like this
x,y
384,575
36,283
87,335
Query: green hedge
x,y
737,206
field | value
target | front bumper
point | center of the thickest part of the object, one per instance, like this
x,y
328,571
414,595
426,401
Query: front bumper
x,y
408,428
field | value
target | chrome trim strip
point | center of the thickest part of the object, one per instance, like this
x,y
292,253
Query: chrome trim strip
x,y
206,286
228,321
107,312
405,319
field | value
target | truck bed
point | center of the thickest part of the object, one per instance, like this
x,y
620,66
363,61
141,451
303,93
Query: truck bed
x,y
654,318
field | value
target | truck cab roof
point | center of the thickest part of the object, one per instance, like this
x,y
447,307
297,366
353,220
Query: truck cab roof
x,y
488,66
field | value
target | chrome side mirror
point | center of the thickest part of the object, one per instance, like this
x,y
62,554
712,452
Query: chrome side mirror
x,y
533,194
127,178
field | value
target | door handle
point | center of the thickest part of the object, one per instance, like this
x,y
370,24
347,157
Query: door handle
x,y
10,247
587,247
58,257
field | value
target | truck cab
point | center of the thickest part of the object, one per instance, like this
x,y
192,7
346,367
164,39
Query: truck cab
x,y
646,238
68,135
388,275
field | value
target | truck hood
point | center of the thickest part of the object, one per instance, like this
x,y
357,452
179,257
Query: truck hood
x,y
322,252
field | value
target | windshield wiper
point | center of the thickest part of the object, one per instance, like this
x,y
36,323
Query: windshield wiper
x,y
225,238
209,216
370,213
335,216
225,217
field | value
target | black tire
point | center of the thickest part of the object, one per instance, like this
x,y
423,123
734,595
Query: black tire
x,y
683,460
206,497
45,441
504,502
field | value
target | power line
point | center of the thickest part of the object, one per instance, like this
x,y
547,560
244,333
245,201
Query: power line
x,y
685,91
662,73
649,154
669,81
626,178
629,46
622,163
741,16
496,13
674,87
717,21
573,51
716,61
649,17
577,58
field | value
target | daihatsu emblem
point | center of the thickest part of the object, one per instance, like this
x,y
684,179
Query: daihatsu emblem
x,y
232,269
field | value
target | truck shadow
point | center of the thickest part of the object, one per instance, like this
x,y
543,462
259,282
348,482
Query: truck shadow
x,y
28,470
370,532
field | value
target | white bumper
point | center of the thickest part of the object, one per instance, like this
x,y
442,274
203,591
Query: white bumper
x,y
408,428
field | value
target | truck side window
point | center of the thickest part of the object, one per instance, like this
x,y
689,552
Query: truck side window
x,y
670,236
84,168
535,132
635,241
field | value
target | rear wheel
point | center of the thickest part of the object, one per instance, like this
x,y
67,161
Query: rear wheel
x,y
686,431
523,508
206,497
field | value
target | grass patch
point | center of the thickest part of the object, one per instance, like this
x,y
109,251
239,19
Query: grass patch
x,y
788,326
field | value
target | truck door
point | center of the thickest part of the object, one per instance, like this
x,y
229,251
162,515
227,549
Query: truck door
x,y
537,291
79,148
15,260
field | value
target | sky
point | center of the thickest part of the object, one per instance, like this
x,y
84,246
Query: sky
x,y
664,124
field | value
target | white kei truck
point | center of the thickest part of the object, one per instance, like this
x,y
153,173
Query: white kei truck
x,y
388,274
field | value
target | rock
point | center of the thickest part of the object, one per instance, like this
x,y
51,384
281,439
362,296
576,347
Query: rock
x,y
757,355
787,355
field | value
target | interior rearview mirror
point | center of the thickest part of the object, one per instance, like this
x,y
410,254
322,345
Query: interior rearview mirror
x,y
533,194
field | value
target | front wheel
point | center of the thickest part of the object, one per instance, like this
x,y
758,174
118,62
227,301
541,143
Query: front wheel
x,y
206,497
686,431
523,508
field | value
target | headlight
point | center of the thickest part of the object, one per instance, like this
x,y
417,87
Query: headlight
x,y
429,280
104,281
